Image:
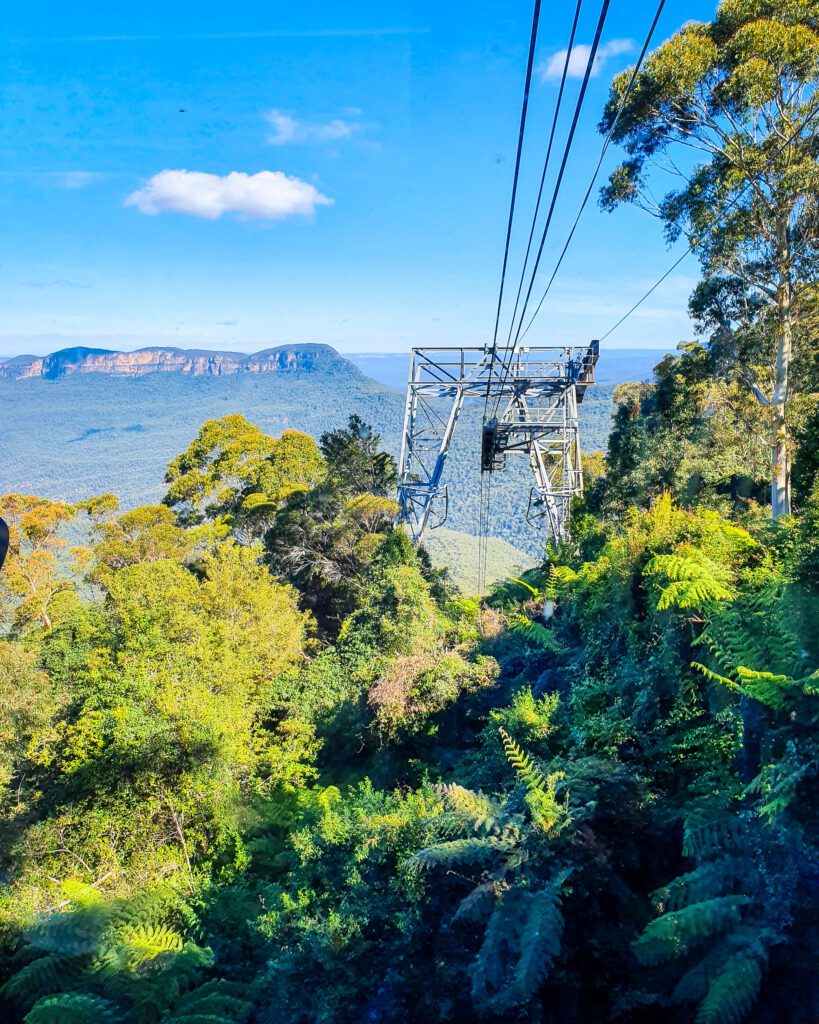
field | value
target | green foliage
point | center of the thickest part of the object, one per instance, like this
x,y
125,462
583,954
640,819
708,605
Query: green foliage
x,y
357,463
739,93
233,470
547,813
522,941
414,807
121,961
71,1008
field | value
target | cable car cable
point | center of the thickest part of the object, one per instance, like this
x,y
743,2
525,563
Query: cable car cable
x,y
603,151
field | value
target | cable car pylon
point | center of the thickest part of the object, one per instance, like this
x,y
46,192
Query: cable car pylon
x,y
535,391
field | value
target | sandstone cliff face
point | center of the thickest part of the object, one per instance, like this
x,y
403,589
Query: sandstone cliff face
x,y
197,363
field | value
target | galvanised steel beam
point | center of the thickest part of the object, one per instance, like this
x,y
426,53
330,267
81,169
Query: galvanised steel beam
x,y
538,390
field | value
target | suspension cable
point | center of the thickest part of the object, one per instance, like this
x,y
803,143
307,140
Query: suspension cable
x,y
606,143
482,511
521,133
558,103
570,139
556,191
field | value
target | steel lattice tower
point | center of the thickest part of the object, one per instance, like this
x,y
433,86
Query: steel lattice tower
x,y
534,393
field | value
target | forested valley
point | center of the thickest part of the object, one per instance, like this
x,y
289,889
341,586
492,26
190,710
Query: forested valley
x,y
261,762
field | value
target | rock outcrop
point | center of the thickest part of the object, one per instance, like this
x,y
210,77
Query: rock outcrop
x,y
196,362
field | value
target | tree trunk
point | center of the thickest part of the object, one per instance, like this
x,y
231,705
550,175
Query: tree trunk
x,y
781,475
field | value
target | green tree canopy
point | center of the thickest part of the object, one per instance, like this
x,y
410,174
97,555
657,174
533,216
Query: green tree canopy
x,y
233,469
727,111
356,462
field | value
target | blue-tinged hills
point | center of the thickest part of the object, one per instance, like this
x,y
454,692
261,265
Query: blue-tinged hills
x,y
195,362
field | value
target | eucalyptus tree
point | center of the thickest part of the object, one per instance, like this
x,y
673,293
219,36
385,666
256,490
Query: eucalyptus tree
x,y
728,110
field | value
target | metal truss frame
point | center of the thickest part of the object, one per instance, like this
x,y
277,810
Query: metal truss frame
x,y
535,391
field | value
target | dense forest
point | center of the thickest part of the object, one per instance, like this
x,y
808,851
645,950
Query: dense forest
x,y
261,762
78,436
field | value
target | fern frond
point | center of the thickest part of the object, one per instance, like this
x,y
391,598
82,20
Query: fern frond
x,y
42,977
71,1008
481,812
477,904
458,851
715,878
732,992
69,934
773,690
144,908
694,580
531,630
547,813
715,677
777,784
540,942
676,933
521,943
709,830
216,997
693,593
172,974
142,943
523,583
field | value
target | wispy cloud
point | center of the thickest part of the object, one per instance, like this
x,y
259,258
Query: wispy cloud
x,y
578,61
227,323
56,179
288,129
56,283
268,195
76,179
319,33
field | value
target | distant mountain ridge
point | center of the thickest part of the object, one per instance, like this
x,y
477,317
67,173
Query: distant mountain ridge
x,y
195,362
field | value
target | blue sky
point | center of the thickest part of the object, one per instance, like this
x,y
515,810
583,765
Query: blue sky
x,y
341,173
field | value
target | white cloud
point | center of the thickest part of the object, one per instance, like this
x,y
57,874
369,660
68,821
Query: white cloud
x,y
288,129
553,68
268,195
77,179
56,283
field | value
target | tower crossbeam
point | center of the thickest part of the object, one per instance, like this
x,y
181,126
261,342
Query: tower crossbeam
x,y
534,393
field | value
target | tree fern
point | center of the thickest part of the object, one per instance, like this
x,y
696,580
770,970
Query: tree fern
x,y
72,1008
693,580
715,878
42,977
547,813
521,943
458,851
732,992
677,933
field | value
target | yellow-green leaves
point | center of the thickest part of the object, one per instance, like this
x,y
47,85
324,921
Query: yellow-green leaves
x,y
689,580
678,67
232,467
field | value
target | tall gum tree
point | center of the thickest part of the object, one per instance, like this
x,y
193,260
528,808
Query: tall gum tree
x,y
729,109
